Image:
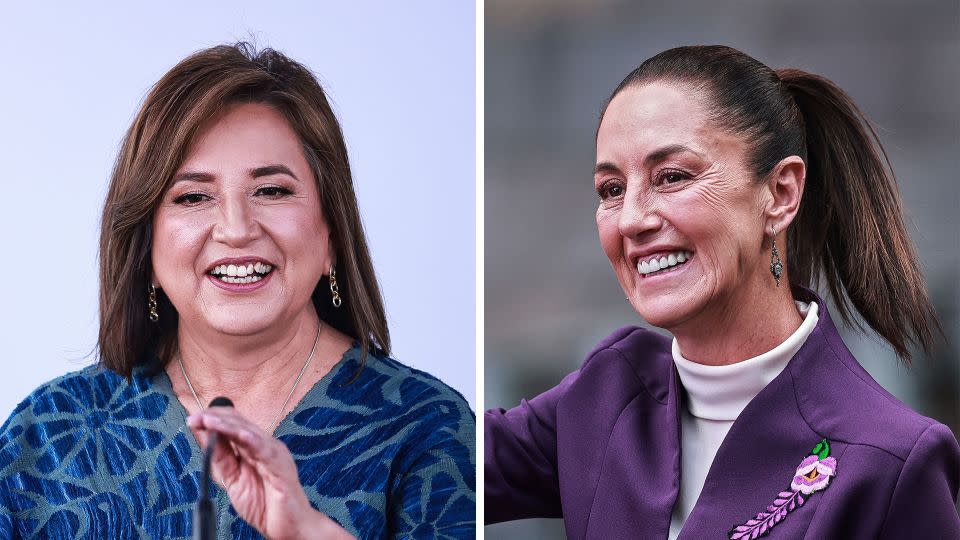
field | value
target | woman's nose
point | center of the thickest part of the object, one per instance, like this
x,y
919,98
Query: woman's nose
x,y
236,225
638,216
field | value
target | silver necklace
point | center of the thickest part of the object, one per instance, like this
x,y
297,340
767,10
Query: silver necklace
x,y
276,420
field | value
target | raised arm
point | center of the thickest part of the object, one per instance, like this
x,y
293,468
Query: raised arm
x,y
520,458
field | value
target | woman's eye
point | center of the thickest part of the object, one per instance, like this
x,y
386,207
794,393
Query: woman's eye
x,y
672,177
273,191
607,191
190,198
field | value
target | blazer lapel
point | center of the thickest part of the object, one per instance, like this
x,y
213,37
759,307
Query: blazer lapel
x,y
762,451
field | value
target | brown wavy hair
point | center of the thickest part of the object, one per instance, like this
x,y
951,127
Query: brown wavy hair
x,y
188,96
849,230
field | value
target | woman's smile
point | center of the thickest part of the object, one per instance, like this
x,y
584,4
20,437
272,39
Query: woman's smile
x,y
664,265
241,275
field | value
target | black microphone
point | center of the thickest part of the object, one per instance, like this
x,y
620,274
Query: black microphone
x,y
204,522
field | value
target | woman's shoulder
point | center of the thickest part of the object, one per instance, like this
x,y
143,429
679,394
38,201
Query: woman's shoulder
x,y
910,462
843,399
836,395
91,387
58,416
629,353
401,418
387,428
377,388
88,398
631,341
380,382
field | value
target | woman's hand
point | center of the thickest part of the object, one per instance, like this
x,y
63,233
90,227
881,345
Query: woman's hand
x,y
260,477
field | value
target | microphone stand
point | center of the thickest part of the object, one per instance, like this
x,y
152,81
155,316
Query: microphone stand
x,y
204,521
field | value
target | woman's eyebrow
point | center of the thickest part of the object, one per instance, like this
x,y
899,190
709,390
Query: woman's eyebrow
x,y
605,167
269,170
662,153
653,157
192,176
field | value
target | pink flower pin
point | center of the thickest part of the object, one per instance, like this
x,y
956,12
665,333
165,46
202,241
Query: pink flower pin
x,y
813,474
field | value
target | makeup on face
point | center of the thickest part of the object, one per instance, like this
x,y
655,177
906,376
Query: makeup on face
x,y
677,212
240,241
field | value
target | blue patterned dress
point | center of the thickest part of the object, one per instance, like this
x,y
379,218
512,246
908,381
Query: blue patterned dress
x,y
89,455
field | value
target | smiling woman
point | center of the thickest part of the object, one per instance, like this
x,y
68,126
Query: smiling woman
x,y
233,262
691,200
727,189
238,202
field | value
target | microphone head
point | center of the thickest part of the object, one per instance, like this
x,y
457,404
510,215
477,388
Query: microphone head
x,y
221,401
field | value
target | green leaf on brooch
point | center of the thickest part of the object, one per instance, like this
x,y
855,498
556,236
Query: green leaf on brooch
x,y
821,450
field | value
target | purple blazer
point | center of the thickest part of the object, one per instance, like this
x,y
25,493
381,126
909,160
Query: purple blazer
x,y
602,451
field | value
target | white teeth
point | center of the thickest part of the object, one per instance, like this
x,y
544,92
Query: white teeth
x,y
241,271
656,264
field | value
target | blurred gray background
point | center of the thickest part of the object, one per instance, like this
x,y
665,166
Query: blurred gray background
x,y
550,293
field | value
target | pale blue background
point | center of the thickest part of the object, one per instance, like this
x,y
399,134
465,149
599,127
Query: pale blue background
x,y
401,77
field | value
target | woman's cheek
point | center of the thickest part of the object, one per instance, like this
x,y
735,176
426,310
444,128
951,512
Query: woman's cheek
x,y
608,229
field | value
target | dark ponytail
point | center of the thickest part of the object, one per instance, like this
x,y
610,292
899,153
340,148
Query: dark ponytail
x,y
849,230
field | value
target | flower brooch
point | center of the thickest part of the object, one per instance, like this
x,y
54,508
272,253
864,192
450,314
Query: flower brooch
x,y
812,475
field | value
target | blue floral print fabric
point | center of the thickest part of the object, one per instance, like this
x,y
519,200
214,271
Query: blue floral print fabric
x,y
387,452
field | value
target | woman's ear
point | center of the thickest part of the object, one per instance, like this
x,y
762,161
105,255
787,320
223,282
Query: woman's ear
x,y
785,186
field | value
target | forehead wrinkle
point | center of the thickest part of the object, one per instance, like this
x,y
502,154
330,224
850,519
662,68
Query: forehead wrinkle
x,y
649,117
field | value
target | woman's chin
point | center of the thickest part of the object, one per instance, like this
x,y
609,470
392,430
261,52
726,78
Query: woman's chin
x,y
661,319
670,306
239,324
663,311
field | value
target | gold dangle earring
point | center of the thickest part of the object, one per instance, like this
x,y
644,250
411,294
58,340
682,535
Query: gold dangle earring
x,y
152,303
776,264
334,290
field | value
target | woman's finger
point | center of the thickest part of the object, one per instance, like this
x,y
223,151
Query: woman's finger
x,y
226,421
264,452
244,434
225,462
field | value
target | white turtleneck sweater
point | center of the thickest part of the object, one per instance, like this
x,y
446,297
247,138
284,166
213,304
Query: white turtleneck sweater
x,y
716,397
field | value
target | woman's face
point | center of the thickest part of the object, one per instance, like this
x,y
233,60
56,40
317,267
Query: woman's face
x,y
674,187
239,239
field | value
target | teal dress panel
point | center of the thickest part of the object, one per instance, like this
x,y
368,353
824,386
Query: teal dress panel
x,y
387,452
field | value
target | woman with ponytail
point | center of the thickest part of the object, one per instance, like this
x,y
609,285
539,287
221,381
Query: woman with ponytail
x,y
729,193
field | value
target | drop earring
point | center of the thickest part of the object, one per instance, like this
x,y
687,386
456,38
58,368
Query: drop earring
x,y
334,289
776,263
152,303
